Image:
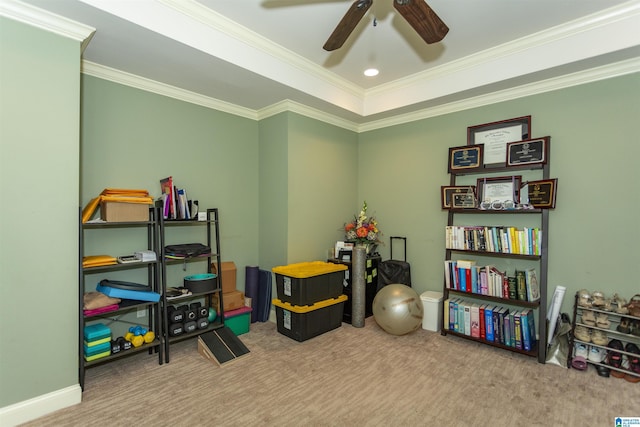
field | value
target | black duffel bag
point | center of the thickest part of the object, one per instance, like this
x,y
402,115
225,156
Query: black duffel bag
x,y
187,250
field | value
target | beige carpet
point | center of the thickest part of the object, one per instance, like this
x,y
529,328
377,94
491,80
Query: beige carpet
x,y
347,377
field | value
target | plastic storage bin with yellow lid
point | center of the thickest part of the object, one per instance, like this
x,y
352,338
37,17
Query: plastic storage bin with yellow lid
x,y
308,321
307,283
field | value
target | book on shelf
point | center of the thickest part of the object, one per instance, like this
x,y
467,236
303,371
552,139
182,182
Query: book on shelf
x,y
532,284
168,190
517,327
481,320
521,285
488,316
445,321
467,318
475,320
527,323
507,329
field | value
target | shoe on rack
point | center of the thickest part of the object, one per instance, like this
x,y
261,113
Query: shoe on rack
x,y
596,354
597,299
582,333
614,358
634,363
619,304
589,317
584,298
599,337
635,327
624,326
581,350
603,371
602,321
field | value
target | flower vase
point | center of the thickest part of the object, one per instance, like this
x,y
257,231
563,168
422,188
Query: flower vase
x,y
358,289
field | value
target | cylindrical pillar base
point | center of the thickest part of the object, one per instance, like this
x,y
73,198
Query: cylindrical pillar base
x,y
358,287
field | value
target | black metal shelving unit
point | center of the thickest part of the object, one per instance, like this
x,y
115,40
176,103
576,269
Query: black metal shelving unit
x,y
212,226
153,309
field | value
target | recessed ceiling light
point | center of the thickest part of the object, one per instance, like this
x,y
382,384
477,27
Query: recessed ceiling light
x,y
371,72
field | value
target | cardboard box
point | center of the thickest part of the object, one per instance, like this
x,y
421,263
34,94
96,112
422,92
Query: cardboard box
x,y
232,300
124,212
228,275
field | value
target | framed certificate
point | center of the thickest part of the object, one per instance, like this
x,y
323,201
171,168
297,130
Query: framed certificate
x,y
465,158
528,152
464,193
498,192
495,136
540,194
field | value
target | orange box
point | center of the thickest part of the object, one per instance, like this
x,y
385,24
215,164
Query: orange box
x,y
228,275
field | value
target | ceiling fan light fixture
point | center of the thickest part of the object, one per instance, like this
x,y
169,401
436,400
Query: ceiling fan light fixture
x,y
371,72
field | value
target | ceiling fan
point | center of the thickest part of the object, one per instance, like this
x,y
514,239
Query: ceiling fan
x,y
416,12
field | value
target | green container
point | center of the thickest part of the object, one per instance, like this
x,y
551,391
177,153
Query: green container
x,y
238,320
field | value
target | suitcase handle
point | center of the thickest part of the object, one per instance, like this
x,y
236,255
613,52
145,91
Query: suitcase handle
x,y
391,239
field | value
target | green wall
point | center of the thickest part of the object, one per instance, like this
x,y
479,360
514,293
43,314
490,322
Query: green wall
x,y
39,162
132,139
284,186
594,151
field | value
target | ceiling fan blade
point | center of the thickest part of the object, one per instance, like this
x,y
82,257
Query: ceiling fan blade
x,y
347,24
423,19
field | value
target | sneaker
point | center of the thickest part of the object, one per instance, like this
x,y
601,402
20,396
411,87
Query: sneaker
x,y
580,350
596,354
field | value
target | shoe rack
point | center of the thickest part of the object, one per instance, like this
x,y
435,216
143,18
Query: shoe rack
x,y
611,339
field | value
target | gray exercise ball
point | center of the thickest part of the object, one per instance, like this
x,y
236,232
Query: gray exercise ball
x,y
398,309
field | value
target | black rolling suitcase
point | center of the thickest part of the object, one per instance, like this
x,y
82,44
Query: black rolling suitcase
x,y
394,271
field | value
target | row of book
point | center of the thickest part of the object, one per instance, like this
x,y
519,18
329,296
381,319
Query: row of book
x,y
502,239
493,323
466,276
175,204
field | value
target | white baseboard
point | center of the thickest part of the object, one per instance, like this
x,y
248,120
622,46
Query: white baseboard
x,y
30,409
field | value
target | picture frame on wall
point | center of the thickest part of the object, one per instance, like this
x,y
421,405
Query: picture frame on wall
x,y
540,194
501,192
528,152
465,158
464,194
496,135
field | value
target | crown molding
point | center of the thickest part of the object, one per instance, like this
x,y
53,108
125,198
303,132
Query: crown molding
x,y
197,11
288,105
36,17
148,85
595,74
575,79
627,11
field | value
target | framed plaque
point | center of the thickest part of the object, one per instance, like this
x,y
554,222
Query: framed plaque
x,y
465,158
528,152
447,194
463,201
495,136
498,192
540,194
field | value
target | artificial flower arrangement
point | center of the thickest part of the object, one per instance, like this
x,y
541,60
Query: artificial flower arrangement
x,y
362,229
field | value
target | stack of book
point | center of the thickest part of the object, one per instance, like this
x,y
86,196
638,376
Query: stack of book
x,y
493,323
466,276
175,203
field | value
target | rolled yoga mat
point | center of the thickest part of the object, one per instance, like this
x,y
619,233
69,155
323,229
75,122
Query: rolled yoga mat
x,y
252,289
264,295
